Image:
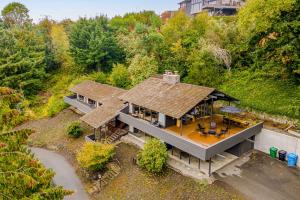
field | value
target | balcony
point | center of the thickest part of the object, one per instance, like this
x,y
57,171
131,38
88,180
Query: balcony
x,y
190,141
82,106
221,4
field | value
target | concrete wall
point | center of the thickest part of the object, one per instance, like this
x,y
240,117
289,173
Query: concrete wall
x,y
268,138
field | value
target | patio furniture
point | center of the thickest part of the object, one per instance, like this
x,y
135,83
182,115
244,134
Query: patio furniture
x,y
230,110
213,125
212,132
155,123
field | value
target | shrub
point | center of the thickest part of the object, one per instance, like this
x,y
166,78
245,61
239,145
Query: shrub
x,y
100,77
119,76
94,156
154,156
75,130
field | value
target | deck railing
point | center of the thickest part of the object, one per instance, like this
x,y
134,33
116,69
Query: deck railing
x,y
187,145
221,3
83,107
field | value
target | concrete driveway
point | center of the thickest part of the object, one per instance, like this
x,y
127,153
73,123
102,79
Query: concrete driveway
x,y
65,174
260,177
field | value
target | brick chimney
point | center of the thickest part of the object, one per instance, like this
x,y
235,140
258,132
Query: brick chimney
x,y
171,78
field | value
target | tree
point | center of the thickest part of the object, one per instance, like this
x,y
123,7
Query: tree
x,y
259,15
94,156
119,76
10,109
22,59
176,27
154,156
51,61
273,46
93,45
142,67
22,175
15,14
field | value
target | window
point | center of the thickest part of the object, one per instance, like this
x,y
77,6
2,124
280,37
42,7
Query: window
x,y
80,98
92,102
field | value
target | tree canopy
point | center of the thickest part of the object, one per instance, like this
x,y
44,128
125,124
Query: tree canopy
x,y
93,45
22,175
15,14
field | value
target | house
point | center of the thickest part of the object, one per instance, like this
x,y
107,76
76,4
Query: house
x,y
213,7
165,16
181,115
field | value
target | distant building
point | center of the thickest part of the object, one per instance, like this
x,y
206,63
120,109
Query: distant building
x,y
213,7
165,16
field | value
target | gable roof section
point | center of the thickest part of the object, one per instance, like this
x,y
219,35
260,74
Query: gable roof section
x,y
97,91
160,96
104,113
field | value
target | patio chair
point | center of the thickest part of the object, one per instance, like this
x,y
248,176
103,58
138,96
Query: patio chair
x,y
222,132
213,127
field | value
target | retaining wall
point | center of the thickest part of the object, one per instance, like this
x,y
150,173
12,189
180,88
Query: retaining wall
x,y
268,138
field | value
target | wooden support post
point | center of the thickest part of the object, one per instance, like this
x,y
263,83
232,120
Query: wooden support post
x,y
189,159
180,155
181,126
199,161
151,116
100,133
209,168
172,151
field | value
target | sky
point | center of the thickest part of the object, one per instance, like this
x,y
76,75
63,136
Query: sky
x,y
62,9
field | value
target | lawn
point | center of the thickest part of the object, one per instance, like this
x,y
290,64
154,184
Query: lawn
x,y
132,182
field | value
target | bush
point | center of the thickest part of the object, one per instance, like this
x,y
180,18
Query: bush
x,y
94,156
154,156
75,130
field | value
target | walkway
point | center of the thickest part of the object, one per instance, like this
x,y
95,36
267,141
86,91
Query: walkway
x,y
65,174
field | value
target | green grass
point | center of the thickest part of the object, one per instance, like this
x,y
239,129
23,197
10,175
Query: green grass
x,y
275,97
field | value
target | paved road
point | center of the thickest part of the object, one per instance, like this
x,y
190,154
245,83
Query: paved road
x,y
65,173
262,178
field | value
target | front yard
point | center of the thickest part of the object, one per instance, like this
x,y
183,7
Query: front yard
x,y
132,182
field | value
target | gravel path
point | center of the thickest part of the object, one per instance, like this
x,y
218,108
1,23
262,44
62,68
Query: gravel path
x,y
65,173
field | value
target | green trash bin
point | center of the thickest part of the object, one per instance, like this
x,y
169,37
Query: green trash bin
x,y
273,152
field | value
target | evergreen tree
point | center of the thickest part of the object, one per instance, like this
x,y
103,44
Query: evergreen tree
x,y
22,59
23,176
93,45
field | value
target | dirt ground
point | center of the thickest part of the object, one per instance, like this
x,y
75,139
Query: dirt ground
x,y
132,183
262,177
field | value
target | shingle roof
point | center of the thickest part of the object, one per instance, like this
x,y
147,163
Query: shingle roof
x,y
105,94
96,91
104,113
160,96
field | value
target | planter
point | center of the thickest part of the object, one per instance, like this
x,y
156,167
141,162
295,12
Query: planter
x,y
90,138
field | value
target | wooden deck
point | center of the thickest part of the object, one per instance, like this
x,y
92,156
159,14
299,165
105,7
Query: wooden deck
x,y
190,130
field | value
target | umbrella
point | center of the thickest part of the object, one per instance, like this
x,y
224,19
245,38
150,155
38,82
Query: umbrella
x,y
230,110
